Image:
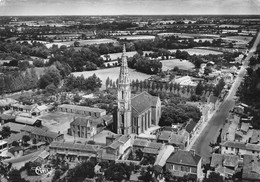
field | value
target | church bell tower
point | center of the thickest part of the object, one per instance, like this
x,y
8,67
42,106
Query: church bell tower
x,y
124,98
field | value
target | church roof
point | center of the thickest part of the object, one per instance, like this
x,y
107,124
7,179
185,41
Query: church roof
x,y
143,101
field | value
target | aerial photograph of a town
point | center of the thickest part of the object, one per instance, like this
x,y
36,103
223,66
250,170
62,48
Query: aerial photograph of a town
x,y
129,90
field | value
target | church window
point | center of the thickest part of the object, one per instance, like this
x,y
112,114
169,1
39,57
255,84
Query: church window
x,y
122,94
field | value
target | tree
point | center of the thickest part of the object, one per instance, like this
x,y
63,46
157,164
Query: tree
x,y
25,139
15,144
171,86
199,89
15,176
214,177
118,172
5,132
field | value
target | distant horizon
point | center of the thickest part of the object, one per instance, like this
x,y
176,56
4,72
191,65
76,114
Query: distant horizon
x,y
138,15
128,7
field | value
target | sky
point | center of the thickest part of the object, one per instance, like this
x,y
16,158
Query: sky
x,y
128,7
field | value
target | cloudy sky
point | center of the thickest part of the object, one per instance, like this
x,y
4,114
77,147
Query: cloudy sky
x,y
127,7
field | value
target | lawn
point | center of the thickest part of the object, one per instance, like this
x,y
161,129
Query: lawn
x,y
198,51
136,37
239,39
171,63
82,42
114,56
112,73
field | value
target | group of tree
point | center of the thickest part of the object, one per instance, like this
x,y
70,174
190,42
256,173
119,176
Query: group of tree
x,y
144,64
33,48
249,92
83,84
175,111
219,87
14,81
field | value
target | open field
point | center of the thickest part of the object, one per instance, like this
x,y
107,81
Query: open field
x,y
239,39
229,26
136,37
57,121
171,63
187,35
114,56
112,73
198,51
203,40
223,49
82,42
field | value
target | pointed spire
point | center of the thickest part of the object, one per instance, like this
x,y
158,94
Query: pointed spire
x,y
124,51
123,76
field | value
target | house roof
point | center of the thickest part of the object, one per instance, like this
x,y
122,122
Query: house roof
x,y
251,167
140,143
184,158
7,101
26,120
6,117
163,155
190,125
15,127
213,99
82,108
75,146
244,127
143,101
164,135
119,141
177,139
253,147
150,151
255,136
239,145
15,137
40,132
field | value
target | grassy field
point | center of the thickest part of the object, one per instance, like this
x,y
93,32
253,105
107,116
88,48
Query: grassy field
x,y
187,35
198,51
239,39
112,73
136,37
171,63
114,56
82,42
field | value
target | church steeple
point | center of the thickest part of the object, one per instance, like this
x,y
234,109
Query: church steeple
x,y
124,125
123,76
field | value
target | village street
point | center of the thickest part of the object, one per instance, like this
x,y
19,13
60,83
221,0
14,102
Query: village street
x,y
212,129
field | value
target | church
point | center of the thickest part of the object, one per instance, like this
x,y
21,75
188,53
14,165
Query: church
x,y
136,113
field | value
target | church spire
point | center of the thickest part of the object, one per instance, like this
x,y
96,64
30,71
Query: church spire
x,y
123,76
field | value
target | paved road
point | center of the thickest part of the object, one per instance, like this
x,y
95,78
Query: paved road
x,y
211,131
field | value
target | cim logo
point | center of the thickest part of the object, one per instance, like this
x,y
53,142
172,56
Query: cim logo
x,y
42,170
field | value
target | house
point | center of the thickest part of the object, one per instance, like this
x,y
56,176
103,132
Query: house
x,y
224,164
251,168
191,127
147,147
185,81
116,146
178,138
14,127
82,110
23,108
182,163
89,126
213,100
163,155
73,151
39,110
5,118
28,121
41,134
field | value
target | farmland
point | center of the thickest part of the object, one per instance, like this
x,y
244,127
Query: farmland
x,y
188,35
83,42
114,56
171,63
136,37
113,74
198,51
